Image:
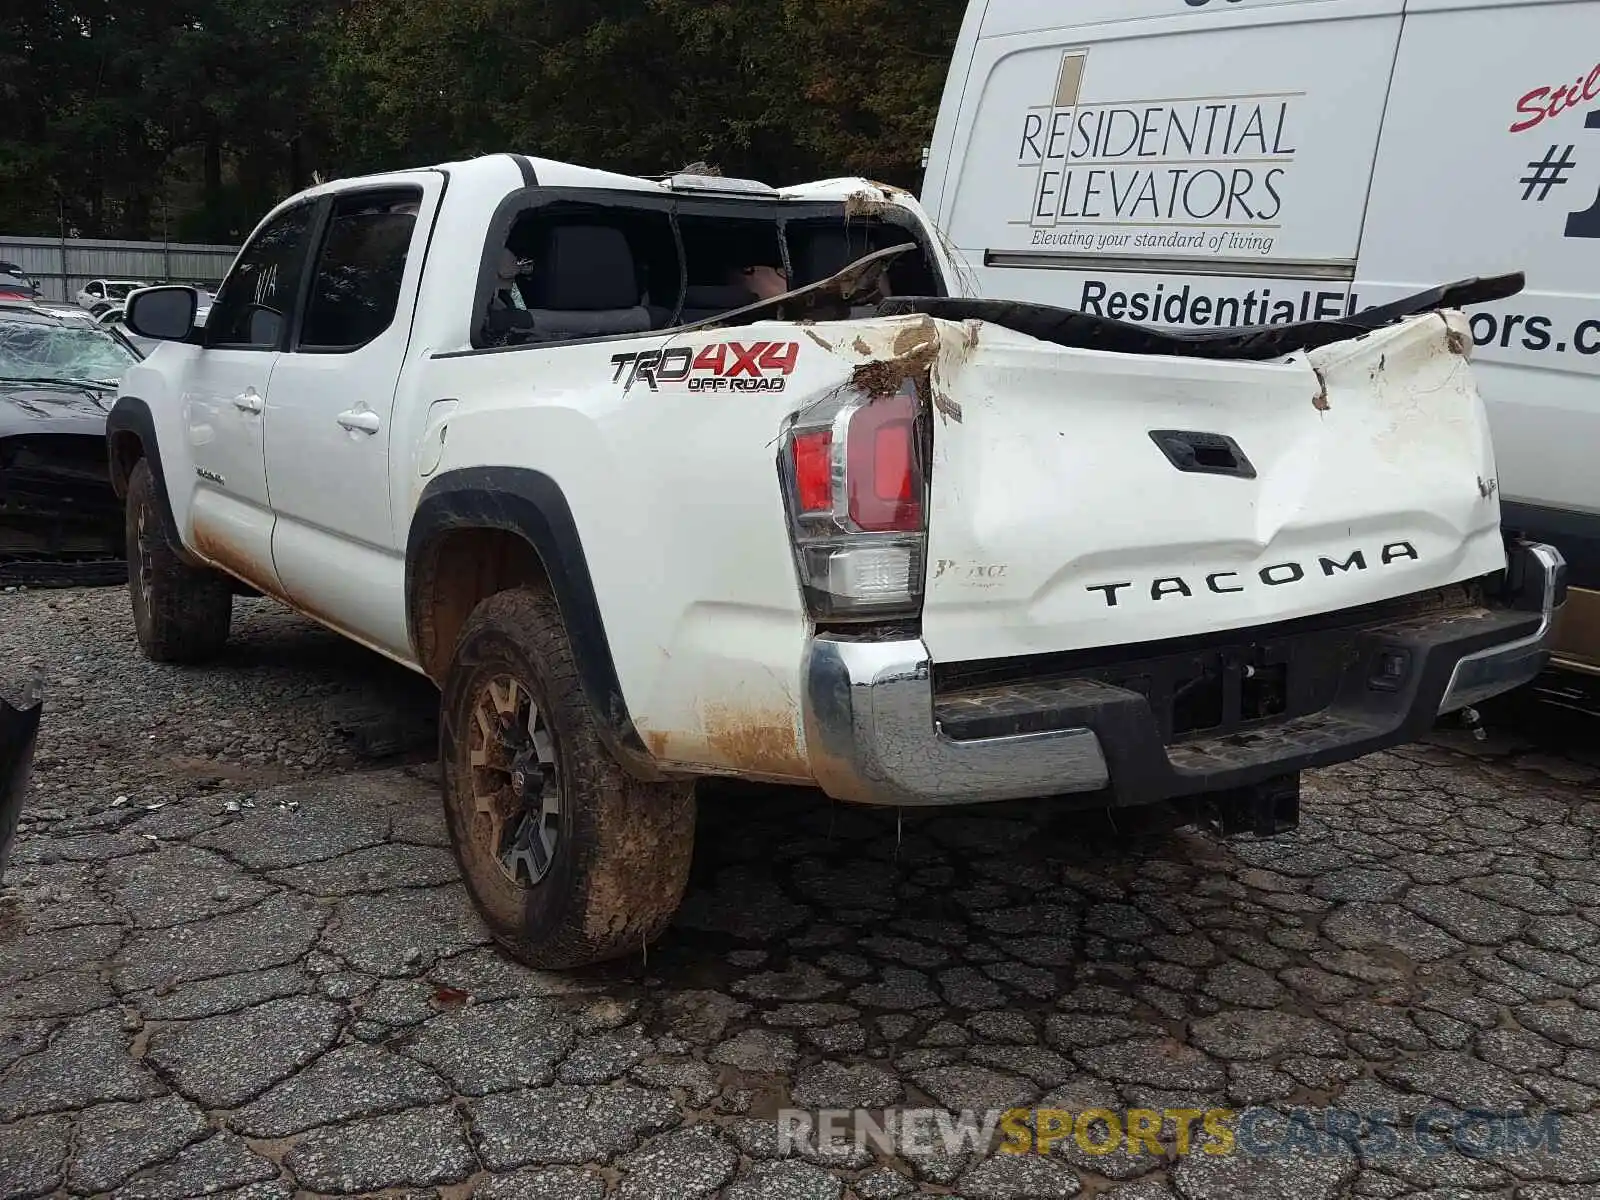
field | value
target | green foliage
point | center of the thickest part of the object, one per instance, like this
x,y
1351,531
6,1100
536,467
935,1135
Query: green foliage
x,y
191,117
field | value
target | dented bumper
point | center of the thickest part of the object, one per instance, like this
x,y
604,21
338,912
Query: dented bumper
x,y
886,725
1537,582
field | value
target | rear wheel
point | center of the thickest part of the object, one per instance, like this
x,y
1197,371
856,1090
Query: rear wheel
x,y
569,859
181,614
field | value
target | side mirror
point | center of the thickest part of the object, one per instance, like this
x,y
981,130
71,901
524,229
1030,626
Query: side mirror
x,y
165,314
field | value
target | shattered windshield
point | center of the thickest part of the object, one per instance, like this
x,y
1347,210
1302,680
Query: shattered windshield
x,y
35,352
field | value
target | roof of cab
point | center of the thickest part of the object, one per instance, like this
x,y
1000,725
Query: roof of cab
x,y
503,171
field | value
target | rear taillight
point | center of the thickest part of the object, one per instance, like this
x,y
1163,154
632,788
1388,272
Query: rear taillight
x,y
856,487
813,471
880,466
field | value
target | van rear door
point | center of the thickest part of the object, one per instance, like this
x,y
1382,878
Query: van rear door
x,y
1165,161
1490,162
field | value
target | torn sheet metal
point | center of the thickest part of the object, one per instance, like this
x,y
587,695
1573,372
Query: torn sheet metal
x,y
1085,331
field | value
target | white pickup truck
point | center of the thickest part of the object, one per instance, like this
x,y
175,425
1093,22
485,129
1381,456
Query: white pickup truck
x,y
569,444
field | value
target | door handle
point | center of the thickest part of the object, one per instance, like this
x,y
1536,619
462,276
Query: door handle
x,y
362,420
248,401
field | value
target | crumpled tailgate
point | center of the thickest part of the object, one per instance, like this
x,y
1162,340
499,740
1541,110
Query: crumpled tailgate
x,y
1083,499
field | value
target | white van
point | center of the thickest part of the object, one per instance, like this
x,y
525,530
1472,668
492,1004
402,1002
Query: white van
x,y
1214,162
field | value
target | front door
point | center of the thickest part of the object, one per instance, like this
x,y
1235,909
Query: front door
x,y
329,412
231,514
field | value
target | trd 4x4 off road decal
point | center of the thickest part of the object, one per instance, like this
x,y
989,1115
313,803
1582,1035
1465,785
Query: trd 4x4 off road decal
x,y
720,367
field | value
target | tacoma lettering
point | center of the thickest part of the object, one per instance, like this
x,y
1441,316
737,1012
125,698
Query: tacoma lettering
x,y
1283,574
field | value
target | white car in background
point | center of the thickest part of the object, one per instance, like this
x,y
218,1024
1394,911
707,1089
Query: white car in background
x,y
100,294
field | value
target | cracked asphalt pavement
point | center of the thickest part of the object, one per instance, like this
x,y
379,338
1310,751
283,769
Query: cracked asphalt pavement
x,y
261,985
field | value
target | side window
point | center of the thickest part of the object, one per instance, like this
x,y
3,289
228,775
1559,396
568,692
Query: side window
x,y
96,290
570,270
253,307
356,285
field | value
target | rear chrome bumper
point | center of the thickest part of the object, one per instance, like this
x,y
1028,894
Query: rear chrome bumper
x,y
1499,669
873,737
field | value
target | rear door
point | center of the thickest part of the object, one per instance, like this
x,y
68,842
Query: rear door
x,y
1490,162
329,426
1168,162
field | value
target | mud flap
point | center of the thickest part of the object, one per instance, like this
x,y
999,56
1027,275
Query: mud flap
x,y
20,709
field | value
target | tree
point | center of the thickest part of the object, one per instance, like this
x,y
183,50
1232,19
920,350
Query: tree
x,y
195,116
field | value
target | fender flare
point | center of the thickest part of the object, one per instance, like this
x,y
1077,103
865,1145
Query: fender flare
x,y
532,506
131,416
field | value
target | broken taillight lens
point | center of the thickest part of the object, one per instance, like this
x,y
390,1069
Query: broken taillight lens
x,y
856,488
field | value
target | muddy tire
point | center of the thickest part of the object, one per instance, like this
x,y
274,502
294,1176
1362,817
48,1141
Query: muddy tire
x,y
569,859
181,613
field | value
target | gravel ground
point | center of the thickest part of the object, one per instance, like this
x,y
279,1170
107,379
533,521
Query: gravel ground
x,y
286,701
272,983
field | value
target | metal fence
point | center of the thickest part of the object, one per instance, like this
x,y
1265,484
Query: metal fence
x,y
63,266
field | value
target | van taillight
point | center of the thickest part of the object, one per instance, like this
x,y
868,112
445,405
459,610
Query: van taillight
x,y
855,486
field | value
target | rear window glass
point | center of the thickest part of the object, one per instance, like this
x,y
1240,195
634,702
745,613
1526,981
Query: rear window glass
x,y
652,263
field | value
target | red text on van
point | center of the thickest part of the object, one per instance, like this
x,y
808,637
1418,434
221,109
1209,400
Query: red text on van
x,y
1545,102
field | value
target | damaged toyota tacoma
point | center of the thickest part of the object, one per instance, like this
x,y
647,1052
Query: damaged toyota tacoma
x,y
666,479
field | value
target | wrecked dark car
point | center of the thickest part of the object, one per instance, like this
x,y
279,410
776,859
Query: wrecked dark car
x,y
60,520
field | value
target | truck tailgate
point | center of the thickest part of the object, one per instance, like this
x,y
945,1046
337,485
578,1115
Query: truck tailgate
x,y
1082,498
